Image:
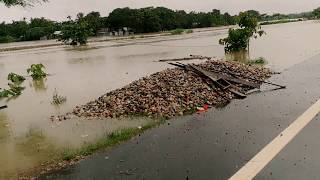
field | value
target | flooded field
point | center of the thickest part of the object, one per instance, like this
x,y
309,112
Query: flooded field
x,y
28,135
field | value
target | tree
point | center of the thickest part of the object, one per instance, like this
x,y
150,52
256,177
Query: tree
x,y
18,29
255,14
35,33
316,12
239,39
20,2
76,32
94,21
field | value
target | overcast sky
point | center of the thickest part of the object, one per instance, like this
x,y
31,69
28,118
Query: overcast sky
x,y
60,9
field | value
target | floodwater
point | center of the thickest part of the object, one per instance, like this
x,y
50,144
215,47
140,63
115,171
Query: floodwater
x,y
28,136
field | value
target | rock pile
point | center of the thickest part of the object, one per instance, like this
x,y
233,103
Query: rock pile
x,y
169,93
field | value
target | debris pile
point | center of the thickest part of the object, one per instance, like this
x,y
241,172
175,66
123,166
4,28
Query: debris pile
x,y
172,92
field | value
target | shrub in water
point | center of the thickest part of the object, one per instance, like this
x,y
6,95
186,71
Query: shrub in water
x,y
36,71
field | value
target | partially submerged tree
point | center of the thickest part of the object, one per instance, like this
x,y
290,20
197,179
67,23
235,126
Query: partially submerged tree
x,y
239,39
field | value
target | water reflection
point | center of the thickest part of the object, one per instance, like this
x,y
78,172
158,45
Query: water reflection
x,y
25,151
82,60
4,127
35,144
241,56
80,48
38,85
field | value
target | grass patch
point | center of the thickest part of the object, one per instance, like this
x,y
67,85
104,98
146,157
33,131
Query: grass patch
x,y
177,31
258,61
110,140
58,99
280,21
189,31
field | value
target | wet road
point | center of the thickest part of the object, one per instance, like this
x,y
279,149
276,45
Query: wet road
x,y
216,144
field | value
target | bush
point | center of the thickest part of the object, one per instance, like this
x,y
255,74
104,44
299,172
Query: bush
x,y
36,71
58,99
239,39
15,78
76,33
189,31
6,39
35,33
258,61
177,31
236,41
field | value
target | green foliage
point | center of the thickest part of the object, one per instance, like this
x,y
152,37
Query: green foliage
x,y
108,141
35,33
238,39
189,31
143,20
6,39
316,12
58,99
76,32
177,31
14,86
19,2
24,31
15,78
36,71
258,61
152,19
6,93
94,21
15,90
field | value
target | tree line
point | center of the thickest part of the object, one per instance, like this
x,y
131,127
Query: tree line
x,y
143,20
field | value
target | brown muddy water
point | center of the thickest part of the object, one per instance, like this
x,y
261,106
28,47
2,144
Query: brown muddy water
x,y
28,136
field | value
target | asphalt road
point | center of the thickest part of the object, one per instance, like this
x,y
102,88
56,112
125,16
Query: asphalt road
x,y
216,144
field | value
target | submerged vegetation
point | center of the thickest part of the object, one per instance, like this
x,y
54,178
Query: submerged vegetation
x,y
36,71
14,86
14,90
15,78
58,99
258,61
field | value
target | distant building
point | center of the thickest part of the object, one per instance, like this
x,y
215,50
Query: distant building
x,y
103,32
57,34
125,31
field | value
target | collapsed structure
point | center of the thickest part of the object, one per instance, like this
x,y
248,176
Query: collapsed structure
x,y
178,91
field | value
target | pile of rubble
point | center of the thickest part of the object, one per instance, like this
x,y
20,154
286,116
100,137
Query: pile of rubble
x,y
172,92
